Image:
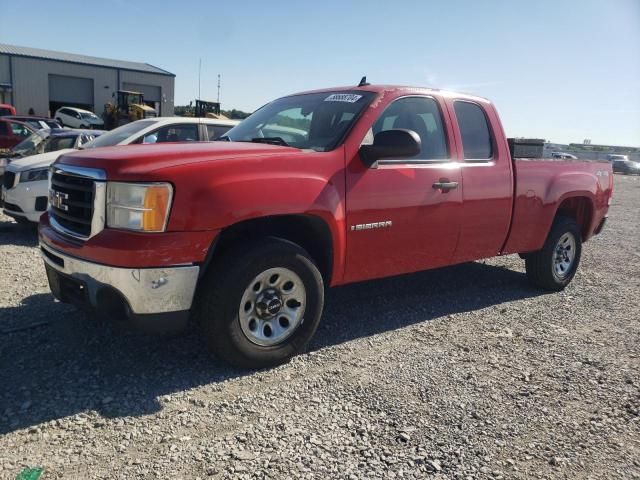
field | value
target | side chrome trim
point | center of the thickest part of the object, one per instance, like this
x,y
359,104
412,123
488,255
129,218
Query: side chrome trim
x,y
99,208
98,219
93,173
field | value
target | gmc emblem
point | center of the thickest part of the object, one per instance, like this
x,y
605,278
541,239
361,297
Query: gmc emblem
x,y
56,199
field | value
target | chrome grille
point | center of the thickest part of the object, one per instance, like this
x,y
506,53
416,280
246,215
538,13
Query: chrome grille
x,y
74,194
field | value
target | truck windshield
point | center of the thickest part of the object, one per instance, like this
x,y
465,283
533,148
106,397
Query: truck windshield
x,y
315,121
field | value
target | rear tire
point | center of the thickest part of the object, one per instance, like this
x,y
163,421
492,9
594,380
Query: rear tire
x,y
60,122
553,267
261,304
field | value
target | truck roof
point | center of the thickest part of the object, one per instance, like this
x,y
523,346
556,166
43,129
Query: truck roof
x,y
398,88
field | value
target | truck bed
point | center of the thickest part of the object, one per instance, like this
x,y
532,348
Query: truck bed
x,y
544,185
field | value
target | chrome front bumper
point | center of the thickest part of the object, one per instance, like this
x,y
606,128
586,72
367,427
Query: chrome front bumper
x,y
145,290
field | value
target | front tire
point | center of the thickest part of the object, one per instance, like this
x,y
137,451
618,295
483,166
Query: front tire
x,y
553,267
24,221
261,304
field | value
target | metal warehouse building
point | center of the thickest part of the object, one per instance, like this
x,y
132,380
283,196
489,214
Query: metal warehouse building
x,y
45,80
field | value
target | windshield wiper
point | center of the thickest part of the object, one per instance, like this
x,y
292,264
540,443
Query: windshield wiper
x,y
270,141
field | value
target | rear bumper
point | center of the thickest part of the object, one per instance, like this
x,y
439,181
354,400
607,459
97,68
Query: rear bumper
x,y
152,299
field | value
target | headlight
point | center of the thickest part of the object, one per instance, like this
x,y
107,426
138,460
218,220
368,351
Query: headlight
x,y
138,206
34,175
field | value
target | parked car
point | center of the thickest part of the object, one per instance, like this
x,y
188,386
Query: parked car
x,y
246,233
563,155
36,122
615,157
165,129
46,140
78,118
627,167
25,183
6,109
25,200
13,132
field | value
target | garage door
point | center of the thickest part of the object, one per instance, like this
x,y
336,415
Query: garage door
x,y
151,93
70,89
70,92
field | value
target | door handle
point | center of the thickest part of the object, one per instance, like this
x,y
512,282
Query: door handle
x,y
445,186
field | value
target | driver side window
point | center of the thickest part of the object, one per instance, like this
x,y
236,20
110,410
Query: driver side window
x,y
173,133
422,115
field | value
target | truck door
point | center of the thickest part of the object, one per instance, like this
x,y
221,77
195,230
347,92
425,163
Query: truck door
x,y
487,177
403,215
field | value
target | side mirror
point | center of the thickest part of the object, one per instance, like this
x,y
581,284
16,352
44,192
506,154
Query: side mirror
x,y
397,143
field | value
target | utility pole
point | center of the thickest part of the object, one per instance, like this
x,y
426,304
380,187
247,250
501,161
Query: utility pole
x,y
218,88
199,70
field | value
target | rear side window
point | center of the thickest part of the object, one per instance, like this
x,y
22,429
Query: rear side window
x,y
215,131
20,130
476,139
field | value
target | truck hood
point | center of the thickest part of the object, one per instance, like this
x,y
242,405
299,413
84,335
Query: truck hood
x,y
37,161
128,161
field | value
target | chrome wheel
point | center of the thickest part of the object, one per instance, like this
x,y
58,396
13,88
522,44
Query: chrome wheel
x,y
272,306
564,255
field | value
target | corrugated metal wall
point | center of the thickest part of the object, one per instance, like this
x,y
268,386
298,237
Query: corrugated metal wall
x,y
5,76
5,80
31,83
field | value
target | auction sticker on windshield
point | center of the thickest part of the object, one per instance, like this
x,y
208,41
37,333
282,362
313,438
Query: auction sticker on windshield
x,y
343,97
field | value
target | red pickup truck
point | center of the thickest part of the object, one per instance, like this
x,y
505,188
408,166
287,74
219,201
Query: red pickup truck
x,y
313,190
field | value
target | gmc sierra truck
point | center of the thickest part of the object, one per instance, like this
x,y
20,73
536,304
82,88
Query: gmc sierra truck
x,y
313,190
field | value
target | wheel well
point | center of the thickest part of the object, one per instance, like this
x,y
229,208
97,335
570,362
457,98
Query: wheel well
x,y
580,209
308,231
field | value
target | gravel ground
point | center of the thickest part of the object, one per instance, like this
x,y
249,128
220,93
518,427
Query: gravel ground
x,y
463,372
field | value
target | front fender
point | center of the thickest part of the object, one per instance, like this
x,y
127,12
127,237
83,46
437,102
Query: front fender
x,y
228,192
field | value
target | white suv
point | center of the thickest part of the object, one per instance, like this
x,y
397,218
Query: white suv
x,y
78,118
26,187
